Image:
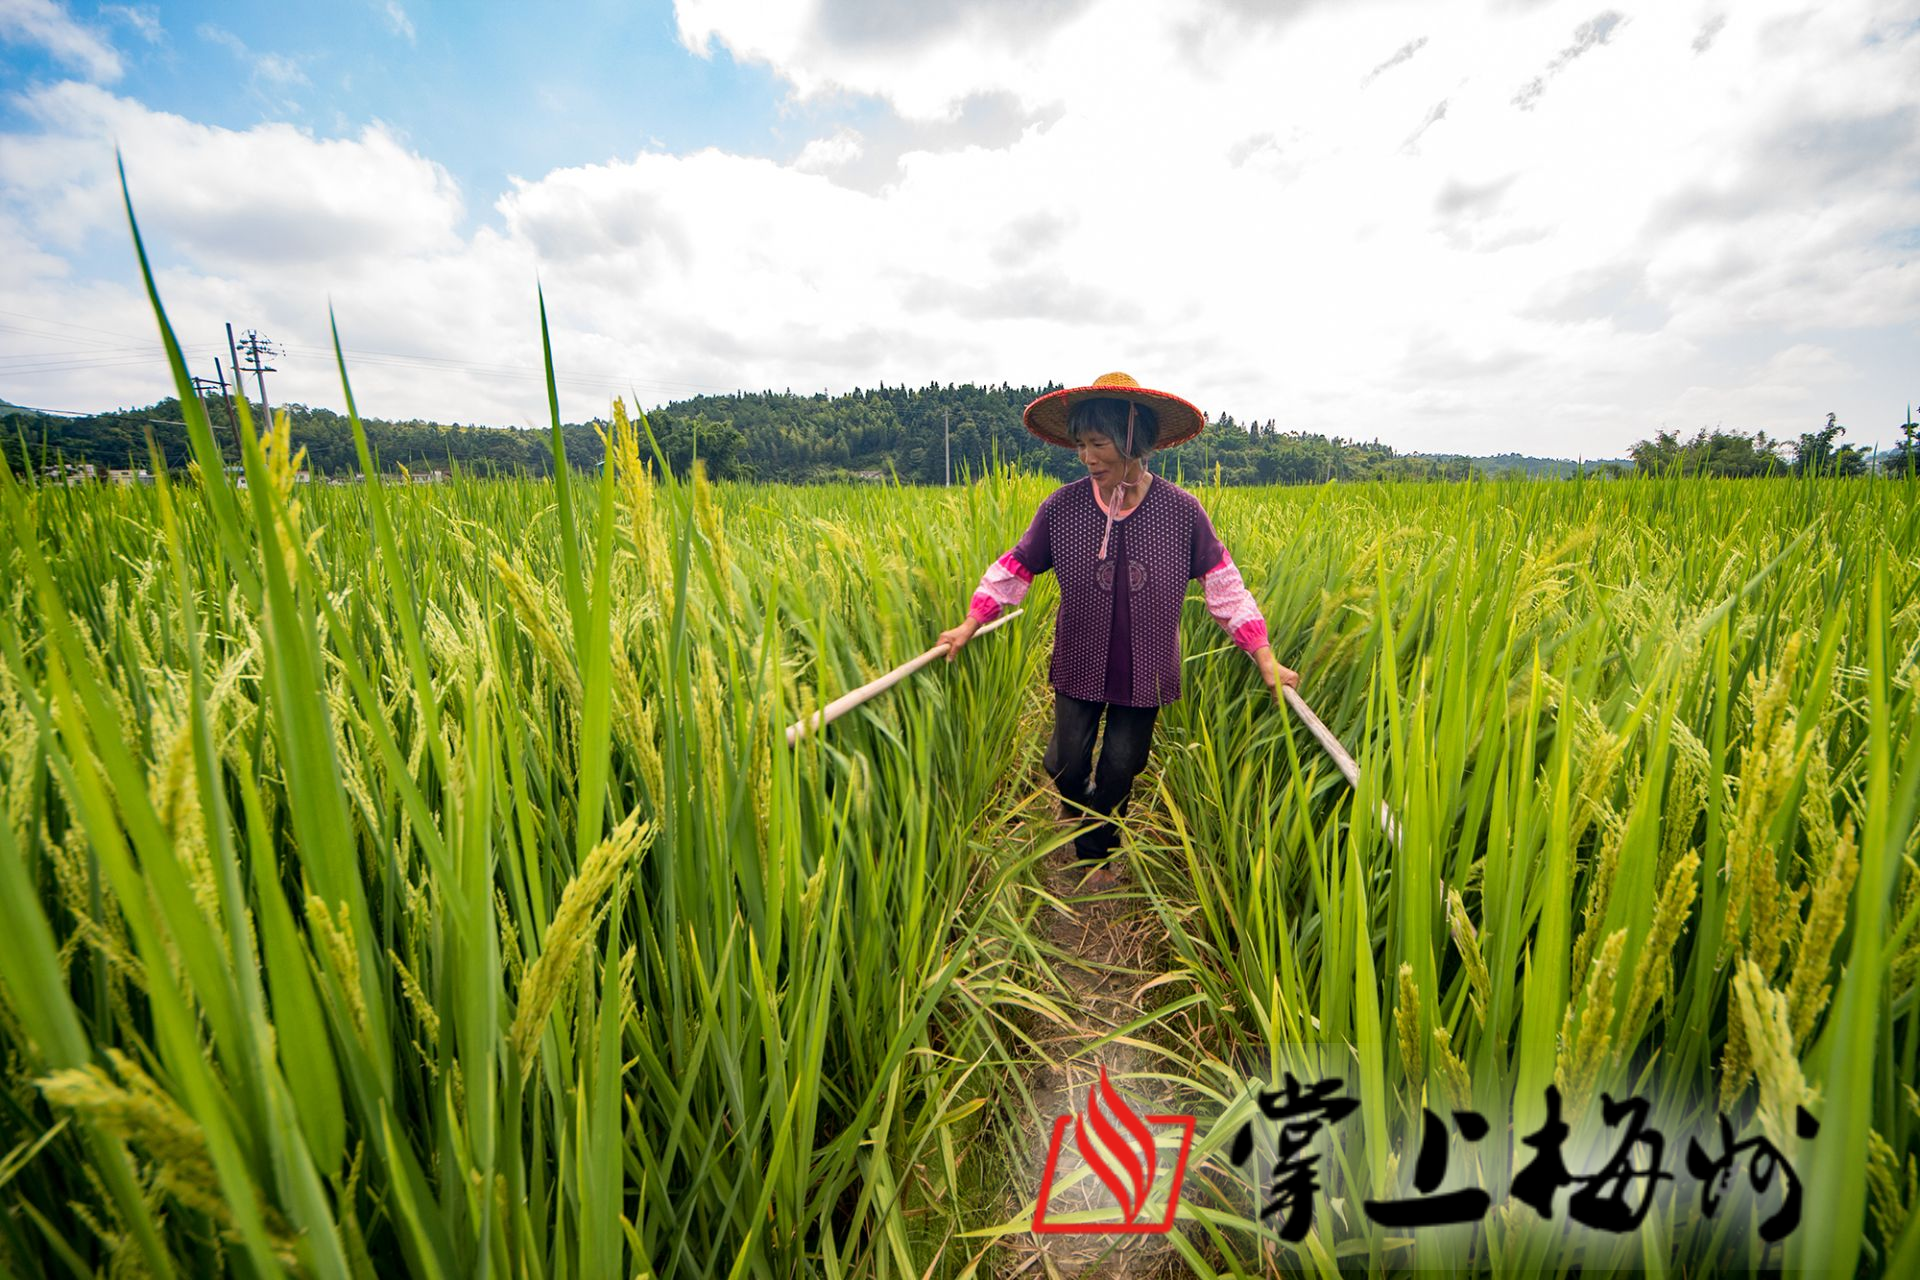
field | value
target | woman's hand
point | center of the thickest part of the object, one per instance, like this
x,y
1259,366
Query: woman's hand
x,y
955,638
1273,673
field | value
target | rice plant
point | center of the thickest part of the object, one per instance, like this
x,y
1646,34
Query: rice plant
x,y
417,880
1651,746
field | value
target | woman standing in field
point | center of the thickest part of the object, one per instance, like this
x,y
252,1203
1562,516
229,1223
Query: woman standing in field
x,y
1124,543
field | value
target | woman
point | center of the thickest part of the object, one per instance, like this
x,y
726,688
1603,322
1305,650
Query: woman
x,y
1123,543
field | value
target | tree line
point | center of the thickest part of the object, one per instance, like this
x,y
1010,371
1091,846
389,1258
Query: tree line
x,y
915,434
1736,453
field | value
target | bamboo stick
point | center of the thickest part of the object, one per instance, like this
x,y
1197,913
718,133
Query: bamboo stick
x,y
1341,758
1320,731
848,701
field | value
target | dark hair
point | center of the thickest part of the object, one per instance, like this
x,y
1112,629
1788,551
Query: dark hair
x,y
1108,416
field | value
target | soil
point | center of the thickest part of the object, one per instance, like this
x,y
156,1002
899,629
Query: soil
x,y
1106,947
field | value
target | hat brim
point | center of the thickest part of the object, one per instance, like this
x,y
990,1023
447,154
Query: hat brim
x,y
1180,421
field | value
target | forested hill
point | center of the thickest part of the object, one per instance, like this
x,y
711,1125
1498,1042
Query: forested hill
x,y
768,435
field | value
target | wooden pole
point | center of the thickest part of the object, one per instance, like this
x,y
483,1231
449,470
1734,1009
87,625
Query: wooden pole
x,y
1320,731
873,688
1341,758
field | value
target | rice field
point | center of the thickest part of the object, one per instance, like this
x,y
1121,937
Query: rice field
x,y
417,881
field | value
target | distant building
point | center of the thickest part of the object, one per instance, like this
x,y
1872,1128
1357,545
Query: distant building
x,y
129,475
68,473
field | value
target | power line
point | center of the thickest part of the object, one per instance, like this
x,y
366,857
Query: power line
x,y
56,413
82,366
257,349
578,378
103,355
68,324
205,387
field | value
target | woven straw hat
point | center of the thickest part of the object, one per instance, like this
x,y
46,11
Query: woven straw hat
x,y
1179,420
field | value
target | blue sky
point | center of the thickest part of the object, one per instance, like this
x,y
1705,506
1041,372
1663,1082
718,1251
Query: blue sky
x,y
516,90
1550,226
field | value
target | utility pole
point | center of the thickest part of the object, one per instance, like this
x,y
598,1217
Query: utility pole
x,y
946,433
234,352
233,418
205,387
258,349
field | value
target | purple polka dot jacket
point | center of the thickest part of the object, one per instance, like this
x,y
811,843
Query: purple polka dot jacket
x,y
1117,637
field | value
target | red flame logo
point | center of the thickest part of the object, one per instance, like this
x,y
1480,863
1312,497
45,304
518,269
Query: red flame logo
x,y
1107,1114
1119,1148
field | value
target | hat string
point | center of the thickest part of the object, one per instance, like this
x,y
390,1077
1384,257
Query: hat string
x,y
1114,501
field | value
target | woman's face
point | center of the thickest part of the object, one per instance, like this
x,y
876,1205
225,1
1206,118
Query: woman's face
x,y
1100,456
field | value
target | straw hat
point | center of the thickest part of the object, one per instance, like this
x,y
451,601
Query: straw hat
x,y
1179,420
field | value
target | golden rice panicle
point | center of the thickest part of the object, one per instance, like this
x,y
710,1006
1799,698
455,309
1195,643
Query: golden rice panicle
x,y
513,960
1776,1067
417,998
634,476
549,976
1452,1072
711,714
706,513
1767,768
1406,1020
1773,914
446,645
1807,988
175,793
1606,867
283,467
530,611
138,1111
629,700
653,769
1686,797
1902,969
19,739
1599,752
1583,1049
105,672
1736,1056
1816,802
142,1114
1891,1196
335,937
760,772
1466,940
1653,970
106,935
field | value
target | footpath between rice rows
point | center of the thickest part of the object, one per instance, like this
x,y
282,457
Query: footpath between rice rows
x,y
1102,961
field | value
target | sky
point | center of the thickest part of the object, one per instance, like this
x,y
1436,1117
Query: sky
x,y
1507,225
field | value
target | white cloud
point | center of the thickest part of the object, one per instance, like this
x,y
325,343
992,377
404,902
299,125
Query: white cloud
x,y
1344,223
399,22
212,33
824,154
264,200
143,18
49,25
277,70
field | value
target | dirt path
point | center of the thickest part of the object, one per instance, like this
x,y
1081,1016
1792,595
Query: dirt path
x,y
1105,949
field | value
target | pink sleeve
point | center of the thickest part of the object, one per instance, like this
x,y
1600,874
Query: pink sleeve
x,y
1232,605
1002,586
1006,580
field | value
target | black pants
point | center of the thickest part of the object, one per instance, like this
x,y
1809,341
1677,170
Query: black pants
x,y
1123,753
